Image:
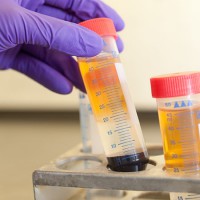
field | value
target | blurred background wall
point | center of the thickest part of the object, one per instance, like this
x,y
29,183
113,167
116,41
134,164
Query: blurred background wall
x,y
161,36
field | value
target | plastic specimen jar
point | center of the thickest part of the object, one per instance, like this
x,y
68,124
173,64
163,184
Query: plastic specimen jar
x,y
178,101
115,115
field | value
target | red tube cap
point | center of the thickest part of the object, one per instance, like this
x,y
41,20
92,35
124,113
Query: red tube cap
x,y
102,26
174,85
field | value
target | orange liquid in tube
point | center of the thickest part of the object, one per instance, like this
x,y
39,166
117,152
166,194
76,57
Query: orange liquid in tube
x,y
180,133
178,101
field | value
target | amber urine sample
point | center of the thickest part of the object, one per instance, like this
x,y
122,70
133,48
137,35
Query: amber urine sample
x,y
99,75
180,130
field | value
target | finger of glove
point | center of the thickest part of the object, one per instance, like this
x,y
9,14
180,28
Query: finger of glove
x,y
7,57
42,73
67,66
87,9
46,31
61,62
120,44
72,72
60,14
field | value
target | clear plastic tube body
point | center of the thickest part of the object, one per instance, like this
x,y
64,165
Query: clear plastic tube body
x,y
116,117
180,127
89,133
84,115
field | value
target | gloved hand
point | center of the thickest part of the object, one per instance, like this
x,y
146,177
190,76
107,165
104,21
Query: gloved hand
x,y
38,39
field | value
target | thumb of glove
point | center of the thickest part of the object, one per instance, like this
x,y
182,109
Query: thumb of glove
x,y
27,27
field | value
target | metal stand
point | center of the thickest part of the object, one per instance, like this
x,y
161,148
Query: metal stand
x,y
66,177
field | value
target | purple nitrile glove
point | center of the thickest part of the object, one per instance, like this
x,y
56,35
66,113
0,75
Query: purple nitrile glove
x,y
41,46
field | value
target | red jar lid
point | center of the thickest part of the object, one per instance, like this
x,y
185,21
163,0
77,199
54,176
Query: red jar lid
x,y
174,85
102,26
